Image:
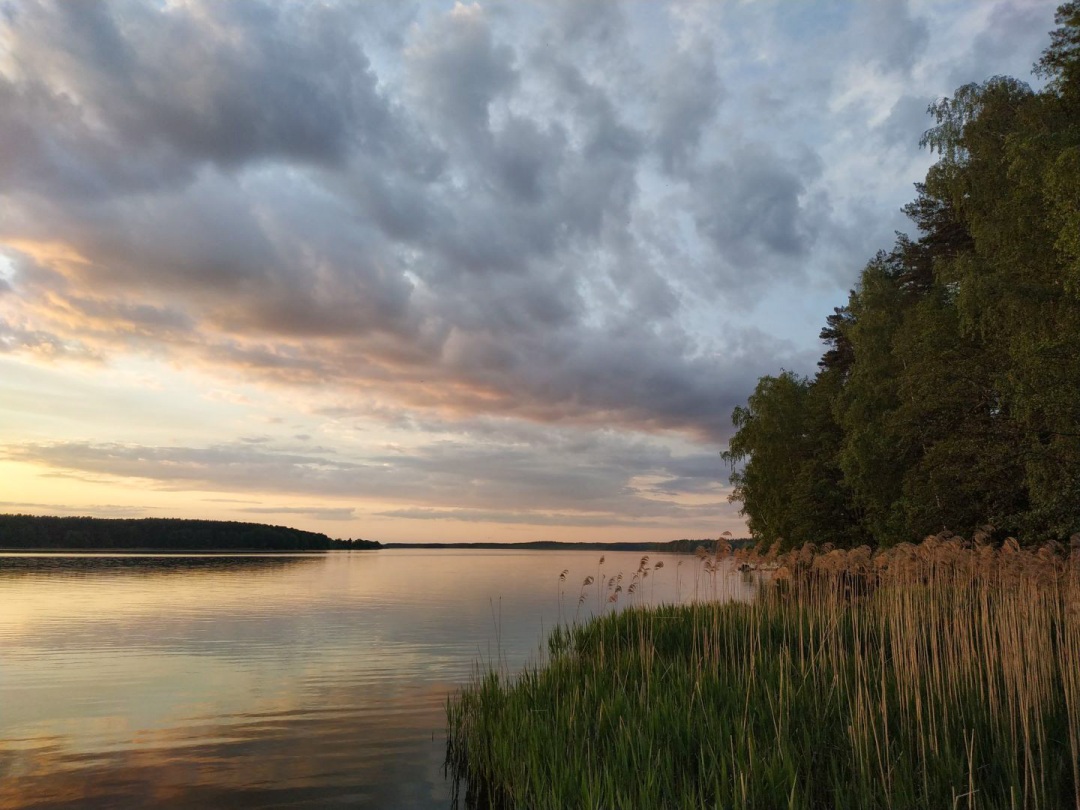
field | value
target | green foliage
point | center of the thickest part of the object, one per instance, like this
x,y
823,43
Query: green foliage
x,y
935,677
872,455
1061,61
953,374
962,450
790,484
18,532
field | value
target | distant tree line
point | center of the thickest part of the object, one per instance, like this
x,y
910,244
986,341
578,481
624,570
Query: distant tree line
x,y
671,546
160,534
949,393
688,546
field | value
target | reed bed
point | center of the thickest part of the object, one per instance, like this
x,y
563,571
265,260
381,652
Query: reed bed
x,y
938,675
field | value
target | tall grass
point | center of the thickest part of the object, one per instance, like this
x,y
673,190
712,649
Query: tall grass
x,y
943,675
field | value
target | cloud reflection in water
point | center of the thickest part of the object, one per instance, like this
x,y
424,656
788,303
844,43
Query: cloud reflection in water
x,y
262,681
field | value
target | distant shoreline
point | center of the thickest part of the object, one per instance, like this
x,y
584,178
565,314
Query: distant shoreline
x,y
672,546
75,535
178,552
43,533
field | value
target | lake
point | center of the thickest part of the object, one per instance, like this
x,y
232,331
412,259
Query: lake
x,y
275,681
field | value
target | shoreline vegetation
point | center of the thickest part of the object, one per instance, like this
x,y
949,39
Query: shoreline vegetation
x,y
945,674
946,396
683,546
900,677
179,536
159,535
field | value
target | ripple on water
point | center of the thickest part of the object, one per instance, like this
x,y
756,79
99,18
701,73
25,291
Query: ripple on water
x,y
306,681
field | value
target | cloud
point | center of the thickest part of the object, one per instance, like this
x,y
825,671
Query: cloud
x,y
43,345
98,510
456,71
600,23
687,96
508,517
908,115
757,206
461,237
583,216
888,34
570,476
315,512
246,81
1010,36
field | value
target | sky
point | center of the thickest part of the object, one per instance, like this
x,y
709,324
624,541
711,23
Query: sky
x,y
436,271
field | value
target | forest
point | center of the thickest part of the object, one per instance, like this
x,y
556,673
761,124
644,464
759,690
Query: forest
x,y
24,532
948,395
682,546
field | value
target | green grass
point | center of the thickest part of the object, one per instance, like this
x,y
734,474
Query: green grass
x,y
954,682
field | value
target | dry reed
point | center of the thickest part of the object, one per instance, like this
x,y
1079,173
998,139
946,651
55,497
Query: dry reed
x,y
943,674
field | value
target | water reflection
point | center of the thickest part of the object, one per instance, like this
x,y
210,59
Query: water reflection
x,y
33,564
268,756
317,680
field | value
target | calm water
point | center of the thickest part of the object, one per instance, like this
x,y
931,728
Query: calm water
x,y
253,681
